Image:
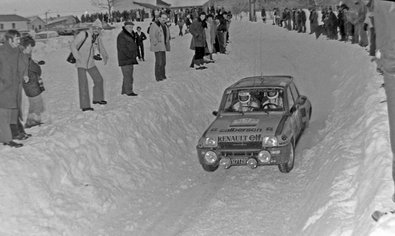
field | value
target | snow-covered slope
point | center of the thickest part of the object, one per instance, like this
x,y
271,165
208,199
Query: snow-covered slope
x,y
130,167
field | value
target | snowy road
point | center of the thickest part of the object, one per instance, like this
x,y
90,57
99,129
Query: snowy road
x,y
130,167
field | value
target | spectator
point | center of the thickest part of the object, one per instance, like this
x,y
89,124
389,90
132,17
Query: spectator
x,y
127,53
85,63
160,43
221,34
198,40
210,35
384,18
313,21
9,85
180,25
359,31
33,86
140,37
341,18
369,21
263,15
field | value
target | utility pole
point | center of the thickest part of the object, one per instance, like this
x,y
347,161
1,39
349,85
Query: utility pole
x,y
46,20
252,10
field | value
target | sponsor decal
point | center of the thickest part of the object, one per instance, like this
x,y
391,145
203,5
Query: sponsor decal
x,y
244,122
240,138
235,130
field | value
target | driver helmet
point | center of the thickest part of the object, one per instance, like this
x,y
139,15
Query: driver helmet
x,y
273,94
244,97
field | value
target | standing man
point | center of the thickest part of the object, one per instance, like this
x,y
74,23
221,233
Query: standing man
x,y
87,42
140,37
384,18
10,83
127,53
160,43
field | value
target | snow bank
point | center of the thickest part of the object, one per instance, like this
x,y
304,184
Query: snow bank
x,y
81,171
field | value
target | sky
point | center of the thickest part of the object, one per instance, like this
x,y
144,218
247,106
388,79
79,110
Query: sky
x,y
28,8
131,168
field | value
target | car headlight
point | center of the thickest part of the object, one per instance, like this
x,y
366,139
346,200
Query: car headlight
x,y
210,142
210,157
269,141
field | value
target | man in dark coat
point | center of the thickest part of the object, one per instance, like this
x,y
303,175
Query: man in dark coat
x,y
10,83
313,21
263,15
127,53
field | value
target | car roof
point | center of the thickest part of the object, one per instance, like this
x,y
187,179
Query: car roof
x,y
263,81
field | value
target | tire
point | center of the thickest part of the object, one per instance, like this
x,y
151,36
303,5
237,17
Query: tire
x,y
306,124
210,168
287,167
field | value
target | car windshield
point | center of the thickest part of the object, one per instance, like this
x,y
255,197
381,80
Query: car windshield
x,y
254,100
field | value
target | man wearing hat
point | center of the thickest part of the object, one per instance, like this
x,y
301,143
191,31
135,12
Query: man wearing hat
x,y
127,53
83,49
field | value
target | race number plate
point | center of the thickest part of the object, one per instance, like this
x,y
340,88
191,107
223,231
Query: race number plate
x,y
238,161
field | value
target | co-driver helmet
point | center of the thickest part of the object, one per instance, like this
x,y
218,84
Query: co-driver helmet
x,y
273,94
244,97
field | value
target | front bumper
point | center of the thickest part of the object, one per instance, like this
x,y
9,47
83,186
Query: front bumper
x,y
240,157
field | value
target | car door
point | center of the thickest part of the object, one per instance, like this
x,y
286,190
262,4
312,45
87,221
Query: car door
x,y
295,110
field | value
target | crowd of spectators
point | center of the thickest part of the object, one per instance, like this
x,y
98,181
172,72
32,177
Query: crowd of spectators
x,y
353,23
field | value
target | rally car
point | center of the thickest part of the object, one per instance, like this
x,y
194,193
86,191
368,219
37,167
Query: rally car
x,y
259,122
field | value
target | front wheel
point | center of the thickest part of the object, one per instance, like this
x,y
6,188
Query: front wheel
x,y
210,168
287,167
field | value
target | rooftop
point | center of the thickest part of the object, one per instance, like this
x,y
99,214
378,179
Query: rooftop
x,y
13,17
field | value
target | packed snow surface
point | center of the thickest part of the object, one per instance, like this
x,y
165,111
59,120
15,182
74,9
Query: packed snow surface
x,y
131,168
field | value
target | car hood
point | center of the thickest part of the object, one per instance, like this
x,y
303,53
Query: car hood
x,y
265,124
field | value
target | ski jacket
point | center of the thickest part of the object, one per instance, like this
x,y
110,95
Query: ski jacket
x,y
140,38
84,56
126,48
159,43
198,33
12,70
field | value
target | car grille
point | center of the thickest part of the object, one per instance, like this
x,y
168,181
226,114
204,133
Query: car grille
x,y
240,145
236,154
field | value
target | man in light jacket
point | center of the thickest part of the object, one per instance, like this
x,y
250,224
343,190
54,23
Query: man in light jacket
x,y
90,41
160,43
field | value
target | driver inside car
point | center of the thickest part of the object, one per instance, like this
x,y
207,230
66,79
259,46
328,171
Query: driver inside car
x,y
246,102
272,100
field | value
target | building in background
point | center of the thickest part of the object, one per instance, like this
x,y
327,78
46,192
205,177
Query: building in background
x,y
185,4
61,22
36,24
147,5
13,21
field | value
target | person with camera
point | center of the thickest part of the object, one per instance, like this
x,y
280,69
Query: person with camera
x,y
85,49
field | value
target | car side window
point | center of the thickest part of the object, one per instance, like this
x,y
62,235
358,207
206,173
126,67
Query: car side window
x,y
291,101
295,92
